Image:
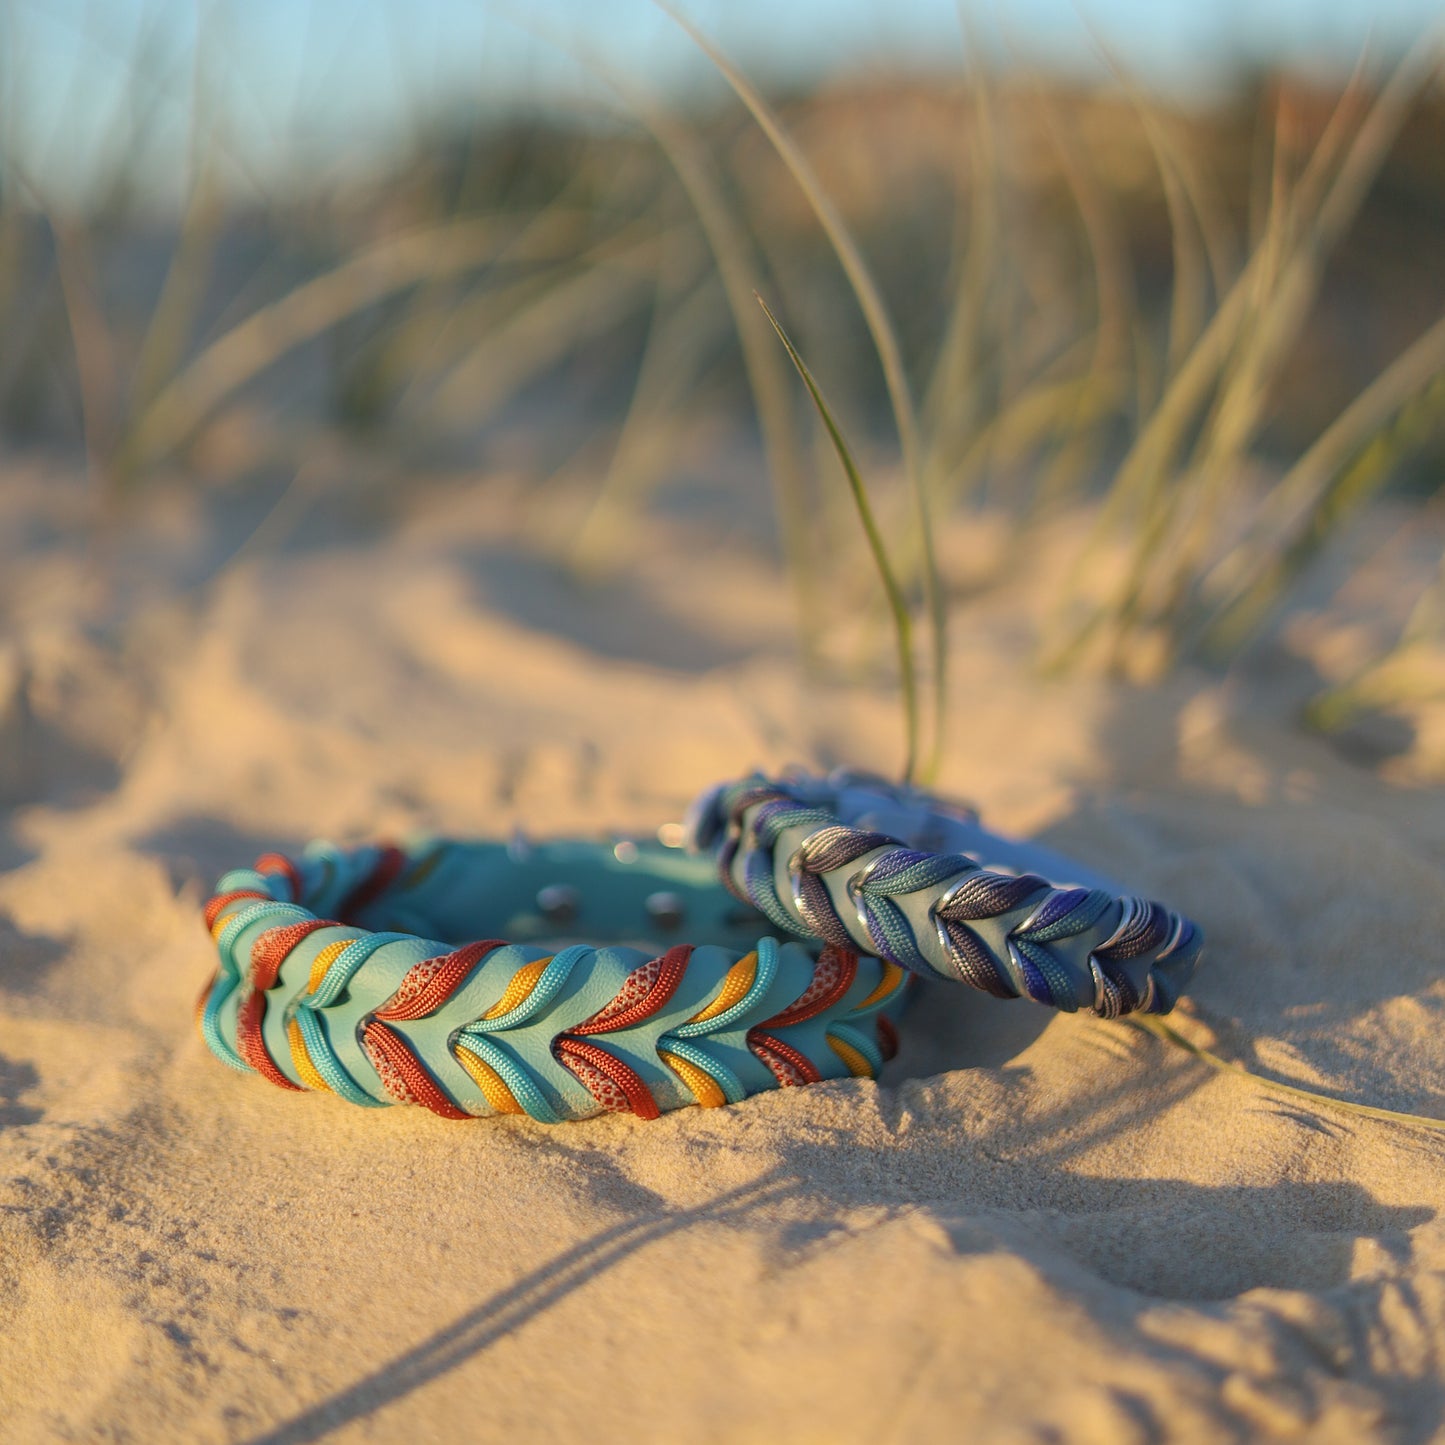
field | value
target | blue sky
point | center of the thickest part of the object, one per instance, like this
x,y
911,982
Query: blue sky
x,y
297,85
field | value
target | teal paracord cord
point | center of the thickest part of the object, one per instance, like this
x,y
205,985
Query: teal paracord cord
x,y
331,978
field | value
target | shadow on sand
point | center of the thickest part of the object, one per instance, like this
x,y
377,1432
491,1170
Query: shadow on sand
x,y
1334,1213
613,618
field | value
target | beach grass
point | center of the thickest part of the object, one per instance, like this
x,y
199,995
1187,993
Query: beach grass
x,y
1048,376
878,551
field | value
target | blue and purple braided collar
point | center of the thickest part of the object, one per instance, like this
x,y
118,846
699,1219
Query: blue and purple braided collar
x,y
860,863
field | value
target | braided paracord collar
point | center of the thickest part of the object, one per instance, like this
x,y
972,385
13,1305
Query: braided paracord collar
x,y
858,863
328,981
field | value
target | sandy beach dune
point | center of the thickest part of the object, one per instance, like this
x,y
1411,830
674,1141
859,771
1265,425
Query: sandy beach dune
x,y
1035,1229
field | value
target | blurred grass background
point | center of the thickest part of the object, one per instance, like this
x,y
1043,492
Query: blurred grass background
x,y
1186,316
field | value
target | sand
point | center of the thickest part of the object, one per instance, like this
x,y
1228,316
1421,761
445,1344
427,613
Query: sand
x,y
1035,1228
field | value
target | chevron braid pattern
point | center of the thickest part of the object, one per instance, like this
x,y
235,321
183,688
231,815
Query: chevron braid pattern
x,y
783,852
311,1003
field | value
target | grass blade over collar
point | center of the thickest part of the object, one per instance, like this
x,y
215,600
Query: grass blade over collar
x,y
902,622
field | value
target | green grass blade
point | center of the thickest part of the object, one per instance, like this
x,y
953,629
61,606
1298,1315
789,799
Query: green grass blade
x,y
1239,353
902,623
953,398
1316,490
684,150
885,342
575,307
311,308
687,316
766,375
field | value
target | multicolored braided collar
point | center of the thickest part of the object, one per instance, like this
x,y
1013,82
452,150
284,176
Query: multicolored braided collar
x,y
858,863
329,980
